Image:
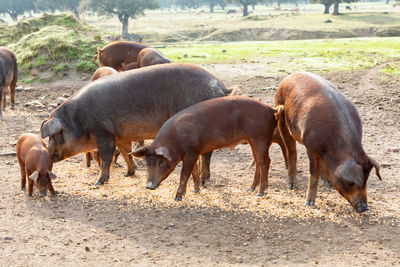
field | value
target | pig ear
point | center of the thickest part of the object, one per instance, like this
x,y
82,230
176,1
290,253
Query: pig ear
x,y
52,175
163,152
376,166
34,176
139,152
51,127
351,172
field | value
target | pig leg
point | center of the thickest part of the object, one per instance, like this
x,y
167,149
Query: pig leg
x,y
30,185
256,179
291,152
88,158
205,167
125,148
12,91
3,100
116,155
2,89
106,147
196,178
23,174
313,181
51,190
187,168
263,161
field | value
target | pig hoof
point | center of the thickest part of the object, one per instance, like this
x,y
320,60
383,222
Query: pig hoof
x,y
178,198
260,194
98,183
29,195
54,194
292,186
129,174
23,188
12,106
251,189
310,203
196,191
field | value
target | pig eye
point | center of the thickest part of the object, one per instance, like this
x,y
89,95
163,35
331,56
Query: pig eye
x,y
160,163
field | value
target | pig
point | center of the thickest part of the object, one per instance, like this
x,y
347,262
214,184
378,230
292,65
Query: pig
x,y
124,107
8,76
317,115
150,56
95,155
147,57
204,127
130,66
103,71
35,162
117,53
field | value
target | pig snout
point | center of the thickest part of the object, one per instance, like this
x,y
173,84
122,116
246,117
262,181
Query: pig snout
x,y
361,206
151,185
42,193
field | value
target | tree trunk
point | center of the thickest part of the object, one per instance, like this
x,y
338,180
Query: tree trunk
x,y
211,7
245,10
387,1
336,8
327,7
76,13
295,2
13,15
124,19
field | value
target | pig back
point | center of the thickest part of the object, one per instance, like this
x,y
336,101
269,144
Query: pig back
x,y
142,98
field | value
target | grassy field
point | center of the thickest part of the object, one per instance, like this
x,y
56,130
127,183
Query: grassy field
x,y
176,25
320,55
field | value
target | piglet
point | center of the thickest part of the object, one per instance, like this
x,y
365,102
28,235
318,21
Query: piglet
x,y
35,162
204,127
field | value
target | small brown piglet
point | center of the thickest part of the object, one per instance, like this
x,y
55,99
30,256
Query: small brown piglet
x,y
35,161
204,127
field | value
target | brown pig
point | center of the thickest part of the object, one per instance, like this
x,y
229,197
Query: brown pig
x,y
8,76
117,53
204,127
103,71
150,56
35,162
317,115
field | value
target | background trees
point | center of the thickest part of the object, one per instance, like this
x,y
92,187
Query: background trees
x,y
123,9
14,8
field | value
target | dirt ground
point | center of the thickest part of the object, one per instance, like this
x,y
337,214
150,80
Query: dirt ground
x,y
122,223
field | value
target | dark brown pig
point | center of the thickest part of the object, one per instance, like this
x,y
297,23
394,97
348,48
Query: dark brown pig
x,y
103,71
204,127
317,115
35,162
124,107
117,53
8,76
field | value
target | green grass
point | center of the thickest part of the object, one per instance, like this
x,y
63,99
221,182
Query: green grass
x,y
392,68
336,54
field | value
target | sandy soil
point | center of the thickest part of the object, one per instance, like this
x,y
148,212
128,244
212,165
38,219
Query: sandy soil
x,y
122,223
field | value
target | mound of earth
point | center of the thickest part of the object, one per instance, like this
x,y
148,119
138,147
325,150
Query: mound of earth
x,y
52,46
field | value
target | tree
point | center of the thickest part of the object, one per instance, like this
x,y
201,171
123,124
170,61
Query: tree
x,y
62,5
14,8
245,4
188,3
328,3
213,3
123,9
